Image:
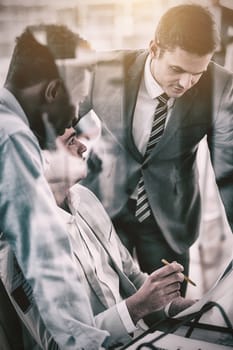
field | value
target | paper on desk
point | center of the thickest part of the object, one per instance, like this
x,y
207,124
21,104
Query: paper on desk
x,y
222,293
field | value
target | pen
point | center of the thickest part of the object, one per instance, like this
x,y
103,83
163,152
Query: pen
x,y
165,262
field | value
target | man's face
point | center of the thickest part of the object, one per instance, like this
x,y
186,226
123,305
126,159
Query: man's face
x,y
76,148
66,166
178,70
71,142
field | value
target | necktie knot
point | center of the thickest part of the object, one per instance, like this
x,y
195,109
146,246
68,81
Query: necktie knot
x,y
163,98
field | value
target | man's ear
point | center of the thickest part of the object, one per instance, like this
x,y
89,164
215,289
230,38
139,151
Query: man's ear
x,y
153,48
52,89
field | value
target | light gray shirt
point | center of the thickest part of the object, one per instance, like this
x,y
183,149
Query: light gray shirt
x,y
31,226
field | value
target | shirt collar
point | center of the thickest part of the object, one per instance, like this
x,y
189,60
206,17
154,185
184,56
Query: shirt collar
x,y
152,87
67,217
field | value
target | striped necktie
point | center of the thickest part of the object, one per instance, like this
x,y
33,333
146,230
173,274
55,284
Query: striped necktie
x,y
143,210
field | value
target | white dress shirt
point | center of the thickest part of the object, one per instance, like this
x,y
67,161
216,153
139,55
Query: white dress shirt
x,y
146,104
145,107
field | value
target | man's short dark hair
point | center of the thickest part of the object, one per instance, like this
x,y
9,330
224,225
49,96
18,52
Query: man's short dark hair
x,y
190,27
31,62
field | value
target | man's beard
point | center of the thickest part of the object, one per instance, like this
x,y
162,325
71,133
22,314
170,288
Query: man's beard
x,y
43,131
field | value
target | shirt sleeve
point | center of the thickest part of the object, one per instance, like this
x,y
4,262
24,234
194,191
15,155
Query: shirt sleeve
x,y
31,226
125,317
166,309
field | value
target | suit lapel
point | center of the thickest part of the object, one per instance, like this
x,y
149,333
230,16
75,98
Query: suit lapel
x,y
102,229
179,112
85,263
126,285
133,73
74,224
97,230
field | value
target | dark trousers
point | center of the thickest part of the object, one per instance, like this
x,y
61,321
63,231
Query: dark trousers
x,y
148,242
11,337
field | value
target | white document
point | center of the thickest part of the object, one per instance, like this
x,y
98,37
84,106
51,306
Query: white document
x,y
221,293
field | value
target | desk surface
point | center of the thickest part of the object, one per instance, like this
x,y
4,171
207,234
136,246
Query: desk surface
x,y
174,342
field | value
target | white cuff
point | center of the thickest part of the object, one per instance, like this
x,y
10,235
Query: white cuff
x,y
166,309
125,317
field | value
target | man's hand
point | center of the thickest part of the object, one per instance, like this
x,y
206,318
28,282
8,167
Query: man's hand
x,y
179,305
160,288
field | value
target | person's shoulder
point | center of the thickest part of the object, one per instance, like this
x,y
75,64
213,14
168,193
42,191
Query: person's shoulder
x,y
12,120
219,71
215,79
11,123
119,55
14,131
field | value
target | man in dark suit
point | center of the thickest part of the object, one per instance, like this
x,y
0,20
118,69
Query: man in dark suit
x,y
151,182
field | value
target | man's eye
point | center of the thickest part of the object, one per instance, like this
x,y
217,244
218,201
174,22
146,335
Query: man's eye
x,y
71,141
175,69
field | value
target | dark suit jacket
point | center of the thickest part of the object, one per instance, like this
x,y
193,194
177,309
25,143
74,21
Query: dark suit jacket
x,y
170,173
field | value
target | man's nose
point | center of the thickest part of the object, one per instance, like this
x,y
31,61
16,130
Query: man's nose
x,y
185,80
81,148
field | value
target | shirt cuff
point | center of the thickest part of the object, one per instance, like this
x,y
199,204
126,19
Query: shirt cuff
x,y
125,317
166,309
